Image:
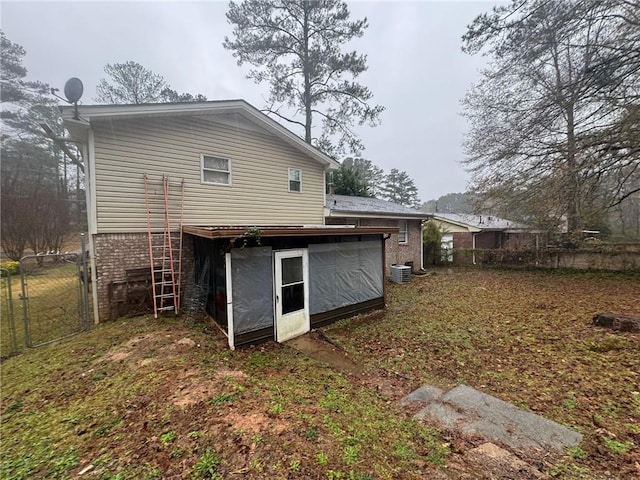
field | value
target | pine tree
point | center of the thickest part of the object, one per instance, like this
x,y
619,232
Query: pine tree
x,y
34,208
296,47
399,188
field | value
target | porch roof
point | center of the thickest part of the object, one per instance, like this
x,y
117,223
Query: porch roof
x,y
280,231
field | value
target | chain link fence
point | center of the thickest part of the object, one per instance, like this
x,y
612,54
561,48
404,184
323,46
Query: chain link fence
x,y
54,297
47,301
8,329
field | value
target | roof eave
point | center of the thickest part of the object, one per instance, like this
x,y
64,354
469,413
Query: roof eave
x,y
213,232
369,214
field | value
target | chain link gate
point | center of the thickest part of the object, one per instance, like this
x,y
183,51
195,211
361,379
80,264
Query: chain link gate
x,y
54,296
8,331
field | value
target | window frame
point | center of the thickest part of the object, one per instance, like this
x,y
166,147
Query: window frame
x,y
402,241
203,169
289,180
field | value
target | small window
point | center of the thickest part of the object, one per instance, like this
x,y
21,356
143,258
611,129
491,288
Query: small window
x,y
403,235
216,170
295,180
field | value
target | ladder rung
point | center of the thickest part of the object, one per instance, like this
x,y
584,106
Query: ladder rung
x,y
166,262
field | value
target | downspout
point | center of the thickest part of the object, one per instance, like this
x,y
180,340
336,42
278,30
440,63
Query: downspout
x,y
422,245
473,247
384,267
229,295
88,153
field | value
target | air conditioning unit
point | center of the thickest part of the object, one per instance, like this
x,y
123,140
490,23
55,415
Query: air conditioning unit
x,y
400,274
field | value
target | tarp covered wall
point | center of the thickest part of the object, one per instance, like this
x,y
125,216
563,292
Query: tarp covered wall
x,y
342,274
252,286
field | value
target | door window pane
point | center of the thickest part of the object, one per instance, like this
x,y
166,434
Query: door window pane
x,y
292,298
291,270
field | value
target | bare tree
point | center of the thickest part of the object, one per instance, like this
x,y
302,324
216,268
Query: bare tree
x,y
548,116
130,83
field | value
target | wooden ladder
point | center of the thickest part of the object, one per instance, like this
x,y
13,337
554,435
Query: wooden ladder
x,y
165,249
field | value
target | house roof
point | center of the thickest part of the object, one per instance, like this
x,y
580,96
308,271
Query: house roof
x,y
343,205
480,222
86,113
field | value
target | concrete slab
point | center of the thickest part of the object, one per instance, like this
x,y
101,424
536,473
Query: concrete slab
x,y
472,412
424,395
446,414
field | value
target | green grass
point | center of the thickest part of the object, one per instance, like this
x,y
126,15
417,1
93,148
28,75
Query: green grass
x,y
84,401
270,412
525,337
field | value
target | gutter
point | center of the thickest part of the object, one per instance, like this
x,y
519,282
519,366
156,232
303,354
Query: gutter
x,y
366,214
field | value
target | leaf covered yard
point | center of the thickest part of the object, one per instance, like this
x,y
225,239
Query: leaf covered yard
x,y
140,398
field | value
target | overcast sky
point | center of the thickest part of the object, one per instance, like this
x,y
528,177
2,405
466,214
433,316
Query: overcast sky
x,y
416,68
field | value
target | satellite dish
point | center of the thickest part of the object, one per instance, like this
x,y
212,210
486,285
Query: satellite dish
x,y
73,89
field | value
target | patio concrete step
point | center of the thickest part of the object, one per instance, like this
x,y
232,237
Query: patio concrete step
x,y
471,412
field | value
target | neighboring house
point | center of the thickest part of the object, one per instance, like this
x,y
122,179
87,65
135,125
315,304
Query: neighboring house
x,y
482,232
252,216
403,248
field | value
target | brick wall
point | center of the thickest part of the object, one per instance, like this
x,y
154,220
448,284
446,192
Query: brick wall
x,y
462,240
487,240
115,253
586,260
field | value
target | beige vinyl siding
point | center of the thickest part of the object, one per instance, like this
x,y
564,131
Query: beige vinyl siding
x,y
449,227
259,195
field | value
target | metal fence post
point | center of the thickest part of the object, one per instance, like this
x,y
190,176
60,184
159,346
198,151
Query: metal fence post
x,y
25,301
6,275
85,281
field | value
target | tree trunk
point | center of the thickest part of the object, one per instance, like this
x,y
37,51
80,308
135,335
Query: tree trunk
x,y
572,181
307,79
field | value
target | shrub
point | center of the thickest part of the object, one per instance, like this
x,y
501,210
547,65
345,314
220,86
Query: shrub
x,y
11,266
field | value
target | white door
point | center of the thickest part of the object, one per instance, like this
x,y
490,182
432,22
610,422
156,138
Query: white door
x,y
447,247
292,294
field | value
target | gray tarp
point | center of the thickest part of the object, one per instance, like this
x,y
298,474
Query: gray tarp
x,y
252,277
342,274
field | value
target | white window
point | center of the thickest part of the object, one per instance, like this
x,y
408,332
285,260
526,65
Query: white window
x,y
403,235
216,170
295,180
